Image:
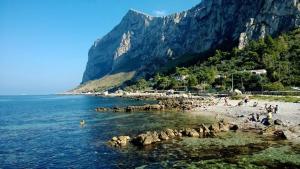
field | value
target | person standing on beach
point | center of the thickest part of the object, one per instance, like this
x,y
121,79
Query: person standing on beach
x,y
246,100
226,101
276,109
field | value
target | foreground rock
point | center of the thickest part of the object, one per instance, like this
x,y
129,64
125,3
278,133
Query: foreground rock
x,y
152,137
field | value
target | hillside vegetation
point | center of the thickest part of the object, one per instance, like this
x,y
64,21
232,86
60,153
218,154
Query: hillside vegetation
x,y
106,82
279,58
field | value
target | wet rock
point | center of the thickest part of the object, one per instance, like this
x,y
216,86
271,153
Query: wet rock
x,y
177,133
163,136
101,109
190,132
114,139
155,107
148,107
139,140
170,133
223,126
117,109
214,128
146,139
278,122
120,141
205,130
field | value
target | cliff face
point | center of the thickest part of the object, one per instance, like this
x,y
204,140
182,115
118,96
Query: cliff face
x,y
143,43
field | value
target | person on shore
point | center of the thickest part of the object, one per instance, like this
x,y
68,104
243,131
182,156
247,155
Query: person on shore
x,y
226,101
266,121
266,106
270,109
276,109
252,118
257,117
246,100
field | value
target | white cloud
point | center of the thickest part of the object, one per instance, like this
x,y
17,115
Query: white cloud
x,y
160,13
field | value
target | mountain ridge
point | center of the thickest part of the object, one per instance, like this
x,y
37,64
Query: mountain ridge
x,y
144,43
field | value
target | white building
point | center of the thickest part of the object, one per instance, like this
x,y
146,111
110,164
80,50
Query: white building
x,y
258,72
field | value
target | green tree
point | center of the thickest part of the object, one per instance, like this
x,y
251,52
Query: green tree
x,y
192,80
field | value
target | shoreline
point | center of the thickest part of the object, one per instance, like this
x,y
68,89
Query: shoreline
x,y
288,114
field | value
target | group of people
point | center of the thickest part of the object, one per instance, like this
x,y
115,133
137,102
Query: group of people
x,y
270,110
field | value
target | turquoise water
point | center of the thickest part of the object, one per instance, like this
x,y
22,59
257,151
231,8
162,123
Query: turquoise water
x,y
44,132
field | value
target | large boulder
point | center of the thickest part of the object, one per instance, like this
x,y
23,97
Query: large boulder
x,y
146,139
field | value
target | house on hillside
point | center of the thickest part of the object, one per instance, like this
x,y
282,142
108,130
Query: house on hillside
x,y
182,77
258,72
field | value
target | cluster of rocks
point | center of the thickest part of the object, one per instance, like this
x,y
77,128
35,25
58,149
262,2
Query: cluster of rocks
x,y
152,137
147,107
164,104
181,103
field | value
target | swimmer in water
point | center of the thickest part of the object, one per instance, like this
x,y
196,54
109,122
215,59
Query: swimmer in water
x,y
82,122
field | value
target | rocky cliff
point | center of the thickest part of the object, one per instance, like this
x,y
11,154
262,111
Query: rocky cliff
x,y
143,43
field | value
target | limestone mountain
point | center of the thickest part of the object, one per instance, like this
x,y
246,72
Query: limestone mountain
x,y
142,43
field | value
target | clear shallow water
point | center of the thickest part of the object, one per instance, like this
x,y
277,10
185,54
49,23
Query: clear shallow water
x,y
44,132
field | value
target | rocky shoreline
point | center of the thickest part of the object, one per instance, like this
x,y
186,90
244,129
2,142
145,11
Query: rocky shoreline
x,y
276,128
152,137
164,104
202,131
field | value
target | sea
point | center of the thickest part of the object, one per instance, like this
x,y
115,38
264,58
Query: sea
x,y
45,132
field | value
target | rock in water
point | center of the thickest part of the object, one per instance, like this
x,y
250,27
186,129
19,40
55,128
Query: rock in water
x,y
120,141
190,132
163,136
144,43
146,139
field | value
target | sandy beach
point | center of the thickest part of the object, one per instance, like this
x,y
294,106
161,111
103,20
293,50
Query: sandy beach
x,y
289,113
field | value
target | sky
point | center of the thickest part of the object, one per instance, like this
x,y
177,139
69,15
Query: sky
x,y
44,43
